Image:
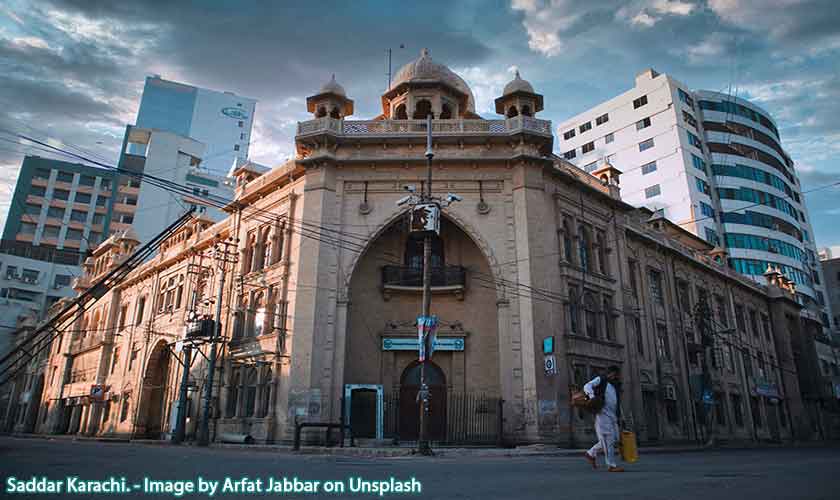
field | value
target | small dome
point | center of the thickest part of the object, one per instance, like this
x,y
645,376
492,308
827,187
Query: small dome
x,y
424,69
332,87
518,85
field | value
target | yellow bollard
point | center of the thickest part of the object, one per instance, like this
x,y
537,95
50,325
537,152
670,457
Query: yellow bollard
x,y
629,451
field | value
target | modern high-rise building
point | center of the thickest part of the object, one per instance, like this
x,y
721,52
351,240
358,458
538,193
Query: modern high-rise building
x,y
176,160
222,121
59,210
712,163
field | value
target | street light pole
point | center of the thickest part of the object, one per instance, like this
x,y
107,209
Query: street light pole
x,y
423,440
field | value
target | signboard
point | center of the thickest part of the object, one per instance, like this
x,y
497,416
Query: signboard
x,y
550,364
426,335
425,217
412,344
237,113
548,345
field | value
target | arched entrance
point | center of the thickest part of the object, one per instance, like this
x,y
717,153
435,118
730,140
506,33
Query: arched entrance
x,y
152,412
410,406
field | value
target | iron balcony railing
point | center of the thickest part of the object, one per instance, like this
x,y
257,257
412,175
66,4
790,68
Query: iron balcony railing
x,y
413,276
356,128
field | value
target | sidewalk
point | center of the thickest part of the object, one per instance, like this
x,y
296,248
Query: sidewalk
x,y
535,450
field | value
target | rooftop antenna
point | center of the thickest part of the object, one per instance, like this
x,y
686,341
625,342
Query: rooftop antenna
x,y
402,46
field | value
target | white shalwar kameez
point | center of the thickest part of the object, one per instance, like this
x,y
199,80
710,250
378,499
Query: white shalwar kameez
x,y
606,421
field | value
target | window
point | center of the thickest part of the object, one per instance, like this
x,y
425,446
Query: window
x,y
123,316
698,163
591,316
105,185
645,145
737,410
98,218
684,97
694,141
590,167
568,134
28,228
641,101
663,348
29,275
241,124
141,307
586,126
609,320
124,409
644,123
740,319
682,296
38,191
689,119
61,194
602,119
82,198
756,411
65,177
585,248
588,147
703,186
32,209
648,168
42,173
78,216
723,317
568,249
765,325
94,238
74,234
130,200
87,180
101,201
632,269
712,236
242,136
55,212
61,280
707,210
655,278
574,310
609,138
115,360
569,154
51,232
11,272
236,147
652,191
640,341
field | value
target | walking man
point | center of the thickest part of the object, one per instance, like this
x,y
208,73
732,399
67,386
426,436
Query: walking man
x,y
606,419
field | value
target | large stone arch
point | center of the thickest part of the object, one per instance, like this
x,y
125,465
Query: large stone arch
x,y
463,224
152,404
468,310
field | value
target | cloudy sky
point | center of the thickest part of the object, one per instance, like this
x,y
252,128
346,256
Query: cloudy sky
x,y
73,70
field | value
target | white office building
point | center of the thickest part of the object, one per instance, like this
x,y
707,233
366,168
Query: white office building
x,y
177,160
712,163
222,121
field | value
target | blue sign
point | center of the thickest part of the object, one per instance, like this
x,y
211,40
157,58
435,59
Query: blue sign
x,y
413,344
548,345
237,113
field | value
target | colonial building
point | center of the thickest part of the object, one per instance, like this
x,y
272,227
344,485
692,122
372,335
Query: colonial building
x,y
541,277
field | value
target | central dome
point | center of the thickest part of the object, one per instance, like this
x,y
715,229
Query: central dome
x,y
423,70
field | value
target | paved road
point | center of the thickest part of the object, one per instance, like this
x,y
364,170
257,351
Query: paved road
x,y
717,475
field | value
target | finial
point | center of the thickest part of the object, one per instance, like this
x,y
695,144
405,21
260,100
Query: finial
x,y
517,74
424,52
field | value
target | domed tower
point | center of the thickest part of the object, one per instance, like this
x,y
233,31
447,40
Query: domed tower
x,y
422,87
519,98
331,101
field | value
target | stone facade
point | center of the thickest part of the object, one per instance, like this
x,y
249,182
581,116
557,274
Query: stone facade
x,y
325,285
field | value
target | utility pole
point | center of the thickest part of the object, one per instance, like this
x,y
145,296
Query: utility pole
x,y
193,318
707,341
425,219
221,261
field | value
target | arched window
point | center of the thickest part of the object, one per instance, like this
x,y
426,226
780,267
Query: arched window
x,y
446,112
585,248
414,252
233,392
526,110
591,313
335,113
511,112
265,395
259,314
399,113
423,109
321,112
250,395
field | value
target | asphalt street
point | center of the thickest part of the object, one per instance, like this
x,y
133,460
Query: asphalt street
x,y
800,473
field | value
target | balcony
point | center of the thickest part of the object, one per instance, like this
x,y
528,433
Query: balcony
x,y
409,128
403,279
